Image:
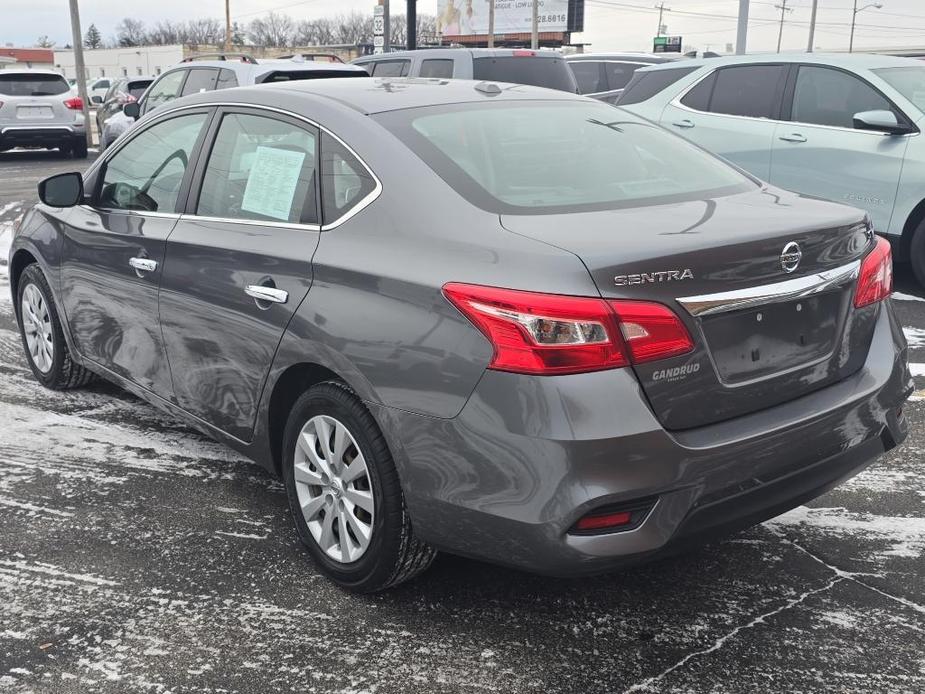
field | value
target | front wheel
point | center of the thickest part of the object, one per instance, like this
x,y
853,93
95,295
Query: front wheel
x,y
917,253
43,336
344,493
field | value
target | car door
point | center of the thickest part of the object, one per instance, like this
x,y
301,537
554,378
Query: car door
x,y
113,250
732,112
239,262
820,152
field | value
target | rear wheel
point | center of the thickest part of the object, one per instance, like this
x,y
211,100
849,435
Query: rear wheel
x,y
43,336
917,253
79,148
344,493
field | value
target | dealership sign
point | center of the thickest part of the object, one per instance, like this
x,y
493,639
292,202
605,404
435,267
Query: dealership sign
x,y
666,44
470,17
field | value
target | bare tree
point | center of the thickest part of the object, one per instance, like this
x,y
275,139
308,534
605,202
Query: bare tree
x,y
205,31
273,31
353,28
167,33
315,32
131,32
44,42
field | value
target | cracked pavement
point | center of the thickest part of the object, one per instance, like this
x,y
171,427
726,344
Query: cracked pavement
x,y
139,556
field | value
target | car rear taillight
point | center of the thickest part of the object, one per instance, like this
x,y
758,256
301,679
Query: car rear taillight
x,y
74,103
876,280
524,54
546,334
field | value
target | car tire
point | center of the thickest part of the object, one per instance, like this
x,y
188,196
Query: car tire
x,y
79,149
42,335
917,253
322,487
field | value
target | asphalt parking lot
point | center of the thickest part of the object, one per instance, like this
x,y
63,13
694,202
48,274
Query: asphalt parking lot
x,y
138,556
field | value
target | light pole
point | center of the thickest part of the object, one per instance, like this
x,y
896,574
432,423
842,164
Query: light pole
x,y
535,28
77,38
854,17
812,27
742,29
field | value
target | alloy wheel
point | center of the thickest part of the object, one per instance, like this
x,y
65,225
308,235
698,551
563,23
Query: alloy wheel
x,y
334,489
36,324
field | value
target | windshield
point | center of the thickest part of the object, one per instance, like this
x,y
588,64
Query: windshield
x,y
542,157
33,85
908,81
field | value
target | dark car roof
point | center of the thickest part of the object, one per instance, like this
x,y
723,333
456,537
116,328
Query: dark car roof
x,y
651,58
449,52
390,94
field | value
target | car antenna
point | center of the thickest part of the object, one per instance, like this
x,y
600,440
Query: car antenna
x,y
489,88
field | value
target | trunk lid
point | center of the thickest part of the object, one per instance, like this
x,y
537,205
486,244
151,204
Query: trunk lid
x,y
762,335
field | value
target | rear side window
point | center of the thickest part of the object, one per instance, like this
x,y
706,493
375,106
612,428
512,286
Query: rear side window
x,y
345,182
831,97
146,174
440,69
167,88
645,85
698,98
293,75
390,68
552,73
261,169
619,74
588,75
226,79
33,85
748,90
200,81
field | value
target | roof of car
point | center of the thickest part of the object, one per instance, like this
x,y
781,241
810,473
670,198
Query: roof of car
x,y
629,55
29,71
864,61
438,53
262,66
376,95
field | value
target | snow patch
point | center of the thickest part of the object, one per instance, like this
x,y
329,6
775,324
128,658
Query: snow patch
x,y
915,337
899,296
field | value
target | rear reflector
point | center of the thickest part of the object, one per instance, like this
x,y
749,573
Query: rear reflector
x,y
609,520
74,103
614,519
876,279
546,334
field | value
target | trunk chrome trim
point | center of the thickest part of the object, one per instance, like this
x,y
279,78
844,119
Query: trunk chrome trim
x,y
789,290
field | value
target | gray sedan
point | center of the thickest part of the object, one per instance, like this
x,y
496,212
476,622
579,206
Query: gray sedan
x,y
501,321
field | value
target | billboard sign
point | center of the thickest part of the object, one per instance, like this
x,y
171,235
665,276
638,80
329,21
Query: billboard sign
x,y
666,44
470,17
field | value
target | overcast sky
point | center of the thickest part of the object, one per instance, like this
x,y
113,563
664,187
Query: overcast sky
x,y
609,24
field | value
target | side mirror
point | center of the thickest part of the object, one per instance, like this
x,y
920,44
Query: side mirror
x,y
132,110
881,121
96,99
62,190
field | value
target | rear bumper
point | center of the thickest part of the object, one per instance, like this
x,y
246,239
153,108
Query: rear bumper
x,y
527,457
40,135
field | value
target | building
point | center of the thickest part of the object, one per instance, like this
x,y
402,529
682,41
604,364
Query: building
x,y
119,62
39,58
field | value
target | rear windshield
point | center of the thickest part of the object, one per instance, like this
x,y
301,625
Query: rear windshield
x,y
543,157
645,85
33,85
539,72
908,81
288,75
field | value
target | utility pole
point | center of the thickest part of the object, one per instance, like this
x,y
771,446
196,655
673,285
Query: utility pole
x,y
78,41
812,27
386,28
227,26
535,34
411,15
491,23
854,17
742,28
661,10
783,9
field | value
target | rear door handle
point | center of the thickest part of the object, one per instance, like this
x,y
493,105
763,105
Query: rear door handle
x,y
270,294
143,264
793,137
683,123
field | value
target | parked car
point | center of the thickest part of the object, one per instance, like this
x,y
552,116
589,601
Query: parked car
x,y
215,71
514,324
124,91
38,110
603,76
841,127
538,68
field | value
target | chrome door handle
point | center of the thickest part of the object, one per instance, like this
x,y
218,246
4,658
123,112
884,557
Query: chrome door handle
x,y
793,137
271,294
683,123
143,264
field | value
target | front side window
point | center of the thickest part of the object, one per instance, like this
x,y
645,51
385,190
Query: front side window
x,y
440,69
200,81
345,182
167,88
748,90
588,75
391,68
146,174
261,169
823,96
908,81
544,158
619,74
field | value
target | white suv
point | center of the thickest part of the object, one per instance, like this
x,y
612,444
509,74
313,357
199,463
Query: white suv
x,y
37,109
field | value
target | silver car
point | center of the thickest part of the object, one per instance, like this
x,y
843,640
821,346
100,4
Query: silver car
x,y
37,109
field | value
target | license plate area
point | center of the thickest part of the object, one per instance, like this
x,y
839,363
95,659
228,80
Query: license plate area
x,y
759,342
34,112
